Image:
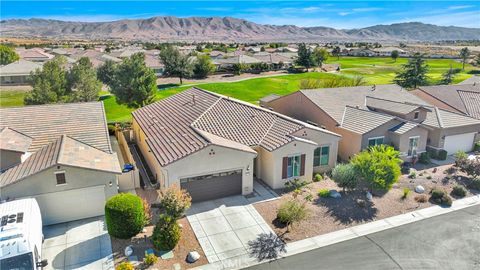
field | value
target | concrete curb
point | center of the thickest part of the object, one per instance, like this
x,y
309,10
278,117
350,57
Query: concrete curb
x,y
346,234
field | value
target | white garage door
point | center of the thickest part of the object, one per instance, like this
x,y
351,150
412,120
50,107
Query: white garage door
x,y
57,207
461,142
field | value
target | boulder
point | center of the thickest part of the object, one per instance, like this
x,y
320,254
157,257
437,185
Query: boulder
x,y
335,194
128,251
369,196
193,256
419,189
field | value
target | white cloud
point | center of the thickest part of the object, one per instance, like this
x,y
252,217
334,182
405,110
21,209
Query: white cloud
x,y
460,7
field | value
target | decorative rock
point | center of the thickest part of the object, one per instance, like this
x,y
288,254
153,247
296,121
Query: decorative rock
x,y
335,194
144,230
369,196
177,266
128,251
419,189
180,225
193,256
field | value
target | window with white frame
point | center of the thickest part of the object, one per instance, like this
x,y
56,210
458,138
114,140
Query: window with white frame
x,y
412,146
293,166
321,155
375,141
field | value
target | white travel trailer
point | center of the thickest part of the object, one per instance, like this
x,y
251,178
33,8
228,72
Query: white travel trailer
x,y
21,235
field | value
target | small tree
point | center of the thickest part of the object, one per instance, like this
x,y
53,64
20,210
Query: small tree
x,y
7,55
464,55
448,76
304,57
239,68
291,212
106,72
203,67
394,55
379,166
124,215
175,201
134,83
49,83
336,52
319,55
166,233
176,64
82,81
345,176
414,73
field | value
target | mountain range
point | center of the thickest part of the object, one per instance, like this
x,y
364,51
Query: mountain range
x,y
225,29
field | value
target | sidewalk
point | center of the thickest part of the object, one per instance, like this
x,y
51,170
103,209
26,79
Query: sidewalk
x,y
347,234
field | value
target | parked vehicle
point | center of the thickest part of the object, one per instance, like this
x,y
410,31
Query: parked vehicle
x,y
21,235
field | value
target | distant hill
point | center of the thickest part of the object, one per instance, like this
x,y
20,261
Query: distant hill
x,y
225,29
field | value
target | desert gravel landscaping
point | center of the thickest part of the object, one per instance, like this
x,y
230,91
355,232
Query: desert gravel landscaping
x,y
353,208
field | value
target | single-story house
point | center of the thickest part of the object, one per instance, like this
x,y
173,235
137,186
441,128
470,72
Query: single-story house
x,y
18,73
61,156
458,98
382,114
387,51
238,59
34,55
214,146
275,60
153,62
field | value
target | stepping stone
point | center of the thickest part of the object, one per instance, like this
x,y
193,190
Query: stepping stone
x,y
166,254
177,266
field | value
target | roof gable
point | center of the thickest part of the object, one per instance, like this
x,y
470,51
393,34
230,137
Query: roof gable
x,y
12,140
362,121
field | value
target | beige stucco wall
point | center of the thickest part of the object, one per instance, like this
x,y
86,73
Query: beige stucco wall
x,y
45,182
349,145
203,162
9,158
379,132
435,136
401,141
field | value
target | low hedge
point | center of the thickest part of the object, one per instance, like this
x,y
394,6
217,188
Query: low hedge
x,y
124,215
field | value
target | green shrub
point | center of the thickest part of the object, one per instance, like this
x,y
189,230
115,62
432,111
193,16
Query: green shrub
x,y
166,233
318,177
459,191
439,196
295,184
124,215
125,266
475,184
476,147
345,177
429,177
175,201
324,193
432,153
406,191
442,154
412,174
424,158
291,212
150,259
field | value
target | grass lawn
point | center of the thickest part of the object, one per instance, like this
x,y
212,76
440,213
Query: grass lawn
x,y
374,70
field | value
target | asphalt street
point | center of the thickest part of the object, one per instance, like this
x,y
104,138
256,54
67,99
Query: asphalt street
x,y
449,241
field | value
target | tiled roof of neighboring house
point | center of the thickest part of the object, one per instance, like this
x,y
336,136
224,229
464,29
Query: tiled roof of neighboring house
x,y
193,119
361,120
392,106
13,140
272,58
472,102
152,61
472,80
239,59
269,98
34,53
62,151
403,127
449,95
44,123
441,118
334,100
20,67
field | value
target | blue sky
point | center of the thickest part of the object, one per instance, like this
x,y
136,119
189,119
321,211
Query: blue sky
x,y
338,14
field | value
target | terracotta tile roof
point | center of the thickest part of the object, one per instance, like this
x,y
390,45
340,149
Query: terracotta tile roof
x,y
472,102
62,151
392,106
13,140
187,122
20,67
440,118
449,94
403,127
474,79
45,123
34,53
362,121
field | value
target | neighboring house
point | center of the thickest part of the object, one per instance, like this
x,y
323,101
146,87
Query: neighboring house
x,y
97,58
213,146
17,73
382,114
153,62
34,55
387,51
238,59
472,80
61,156
275,60
217,54
361,52
459,98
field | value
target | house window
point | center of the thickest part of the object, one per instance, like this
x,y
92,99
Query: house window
x,y
412,146
416,115
293,166
61,180
375,141
321,155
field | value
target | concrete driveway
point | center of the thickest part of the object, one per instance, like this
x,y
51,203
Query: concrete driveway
x,y
82,244
224,226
